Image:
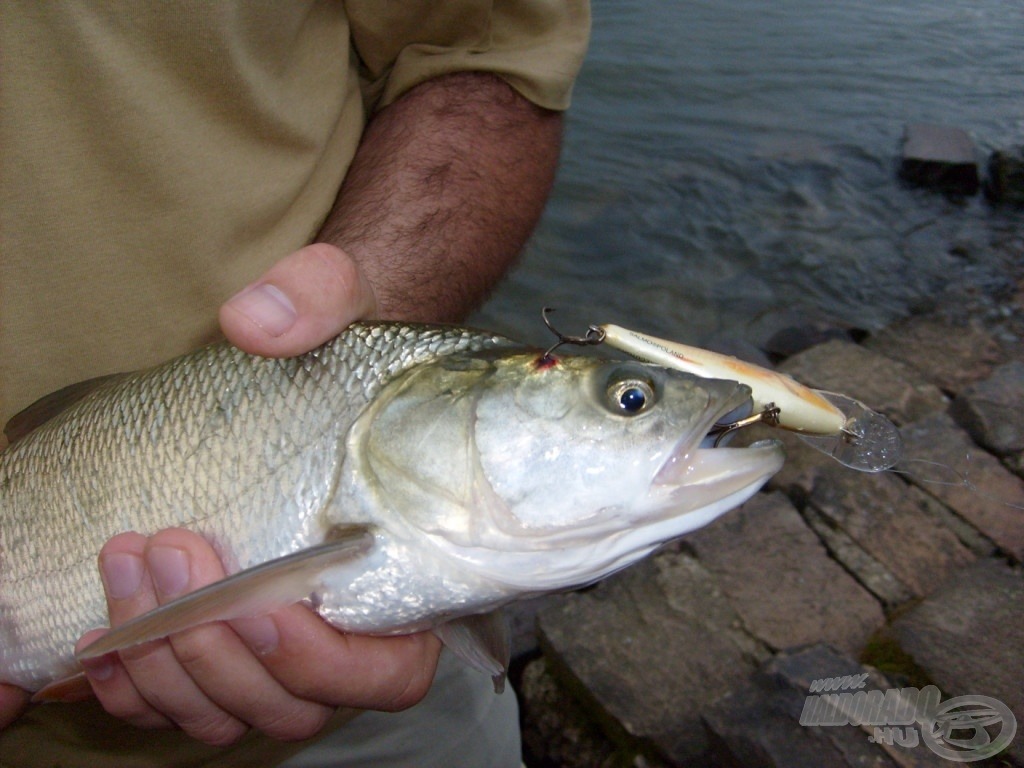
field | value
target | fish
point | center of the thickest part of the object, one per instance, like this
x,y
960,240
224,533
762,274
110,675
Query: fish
x,y
397,479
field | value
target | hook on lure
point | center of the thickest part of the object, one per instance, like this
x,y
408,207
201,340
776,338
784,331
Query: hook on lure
x,y
593,336
768,416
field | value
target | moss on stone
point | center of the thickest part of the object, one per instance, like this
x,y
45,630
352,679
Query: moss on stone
x,y
884,654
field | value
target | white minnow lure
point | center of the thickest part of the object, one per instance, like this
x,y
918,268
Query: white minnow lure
x,y
834,424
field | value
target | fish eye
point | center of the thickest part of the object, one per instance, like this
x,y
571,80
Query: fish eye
x,y
631,396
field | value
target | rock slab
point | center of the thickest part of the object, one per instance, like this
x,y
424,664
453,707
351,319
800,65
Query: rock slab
x,y
950,355
969,637
556,730
1005,183
778,577
759,724
939,157
646,650
890,535
990,410
966,479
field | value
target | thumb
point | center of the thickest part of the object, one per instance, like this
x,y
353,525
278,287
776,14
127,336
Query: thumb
x,y
12,703
302,301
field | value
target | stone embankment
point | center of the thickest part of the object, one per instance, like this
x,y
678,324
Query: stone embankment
x,y
705,654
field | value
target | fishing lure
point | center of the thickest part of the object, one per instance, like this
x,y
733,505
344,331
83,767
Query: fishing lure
x,y
835,424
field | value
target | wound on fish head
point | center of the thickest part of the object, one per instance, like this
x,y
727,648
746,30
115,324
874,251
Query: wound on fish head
x,y
545,361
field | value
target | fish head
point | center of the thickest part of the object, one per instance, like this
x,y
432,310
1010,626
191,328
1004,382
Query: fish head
x,y
546,473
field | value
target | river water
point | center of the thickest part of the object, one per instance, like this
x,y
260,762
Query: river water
x,y
730,168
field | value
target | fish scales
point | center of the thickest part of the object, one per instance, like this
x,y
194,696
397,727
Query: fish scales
x,y
239,448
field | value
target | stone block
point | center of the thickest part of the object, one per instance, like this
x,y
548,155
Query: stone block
x,y
779,579
991,410
522,618
1005,182
647,650
889,534
968,636
798,670
753,727
868,571
883,384
939,157
790,340
1015,464
759,724
965,478
949,355
556,730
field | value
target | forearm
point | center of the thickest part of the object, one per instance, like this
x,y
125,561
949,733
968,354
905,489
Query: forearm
x,y
445,189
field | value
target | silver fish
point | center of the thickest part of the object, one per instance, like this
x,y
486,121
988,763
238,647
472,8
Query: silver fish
x,y
399,478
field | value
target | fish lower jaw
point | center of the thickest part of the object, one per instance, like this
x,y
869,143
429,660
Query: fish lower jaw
x,y
716,481
703,476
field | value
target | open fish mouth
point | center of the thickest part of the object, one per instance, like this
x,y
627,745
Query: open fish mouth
x,y
693,486
701,473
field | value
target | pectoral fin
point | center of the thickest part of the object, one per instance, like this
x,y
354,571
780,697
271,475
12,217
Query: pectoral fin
x,y
257,590
483,641
67,690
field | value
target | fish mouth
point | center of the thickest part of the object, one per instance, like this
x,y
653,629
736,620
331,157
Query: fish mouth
x,y
701,473
696,483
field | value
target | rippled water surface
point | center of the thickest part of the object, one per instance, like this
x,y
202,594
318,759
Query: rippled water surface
x,y
731,165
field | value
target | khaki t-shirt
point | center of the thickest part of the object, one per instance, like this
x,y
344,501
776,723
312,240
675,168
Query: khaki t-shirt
x,y
157,157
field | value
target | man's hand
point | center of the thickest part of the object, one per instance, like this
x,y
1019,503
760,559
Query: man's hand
x,y
283,673
12,701
301,302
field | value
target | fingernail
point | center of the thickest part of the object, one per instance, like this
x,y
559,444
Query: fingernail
x,y
122,573
259,633
169,568
98,669
267,306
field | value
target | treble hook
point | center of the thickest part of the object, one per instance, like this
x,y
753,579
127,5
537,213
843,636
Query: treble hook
x,y
594,335
769,416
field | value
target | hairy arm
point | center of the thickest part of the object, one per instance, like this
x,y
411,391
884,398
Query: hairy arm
x,y
436,214
447,185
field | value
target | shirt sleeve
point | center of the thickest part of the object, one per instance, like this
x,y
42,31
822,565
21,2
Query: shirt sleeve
x,y
537,46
